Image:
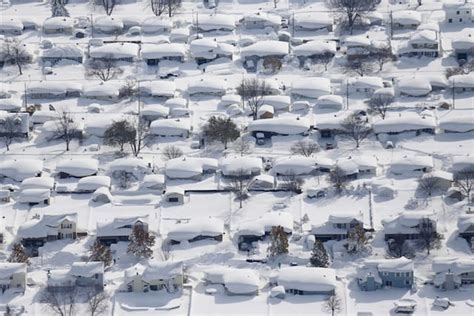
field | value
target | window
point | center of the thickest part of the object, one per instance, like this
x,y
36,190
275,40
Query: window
x,y
407,282
460,20
173,199
129,288
153,288
457,12
450,21
407,274
397,274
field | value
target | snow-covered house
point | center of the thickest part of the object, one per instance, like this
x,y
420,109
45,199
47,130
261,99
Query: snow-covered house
x,y
314,50
119,229
280,126
459,163
21,169
64,52
107,90
307,280
115,51
37,231
251,55
11,104
153,182
278,102
313,21
215,22
406,19
87,275
207,86
234,281
294,165
356,47
413,87
462,83
240,166
12,277
108,24
20,127
330,101
451,273
158,89
444,179
54,90
411,164
90,184
312,87
421,43
466,228
11,26
407,225
152,54
174,195
34,196
458,12
337,227
196,230
365,84
58,24
250,232
204,50
261,20
171,128
77,168
152,112
190,167
463,48
38,183
155,277
154,24
408,122
377,274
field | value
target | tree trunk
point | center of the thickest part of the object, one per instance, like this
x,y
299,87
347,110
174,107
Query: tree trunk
x,y
19,68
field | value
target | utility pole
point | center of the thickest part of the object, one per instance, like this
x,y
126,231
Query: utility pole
x,y
92,25
391,25
293,24
25,96
347,94
454,93
371,216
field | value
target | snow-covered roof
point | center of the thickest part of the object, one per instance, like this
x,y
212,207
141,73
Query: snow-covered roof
x,y
281,125
457,121
231,166
414,86
87,269
53,87
152,180
36,195
11,105
455,265
207,86
203,47
164,270
461,162
115,51
63,51
78,167
43,116
92,183
11,24
7,269
462,81
265,48
411,163
170,127
312,87
366,82
406,222
356,41
312,20
37,183
102,89
465,221
404,123
21,169
330,100
216,22
316,47
307,278
424,37
297,165
265,223
406,17
236,281
156,24
393,265
278,102
108,23
463,43
155,51
162,88
129,164
268,18
154,110
119,226
439,174
188,167
196,227
47,225
58,22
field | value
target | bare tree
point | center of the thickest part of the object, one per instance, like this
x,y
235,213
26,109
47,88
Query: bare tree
x,y
332,304
129,89
278,242
292,182
356,129
141,242
465,68
325,59
98,303
15,52
428,184
142,136
119,133
360,66
221,129
352,10
253,90
104,69
18,254
157,6
9,130
242,146
271,63
357,239
58,8
66,128
108,5
171,152
61,303
464,180
429,237
240,185
338,179
398,247
379,104
382,55
304,148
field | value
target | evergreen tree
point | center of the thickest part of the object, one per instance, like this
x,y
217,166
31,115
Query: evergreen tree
x,y
58,8
18,254
221,129
279,241
319,256
119,134
141,242
100,252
